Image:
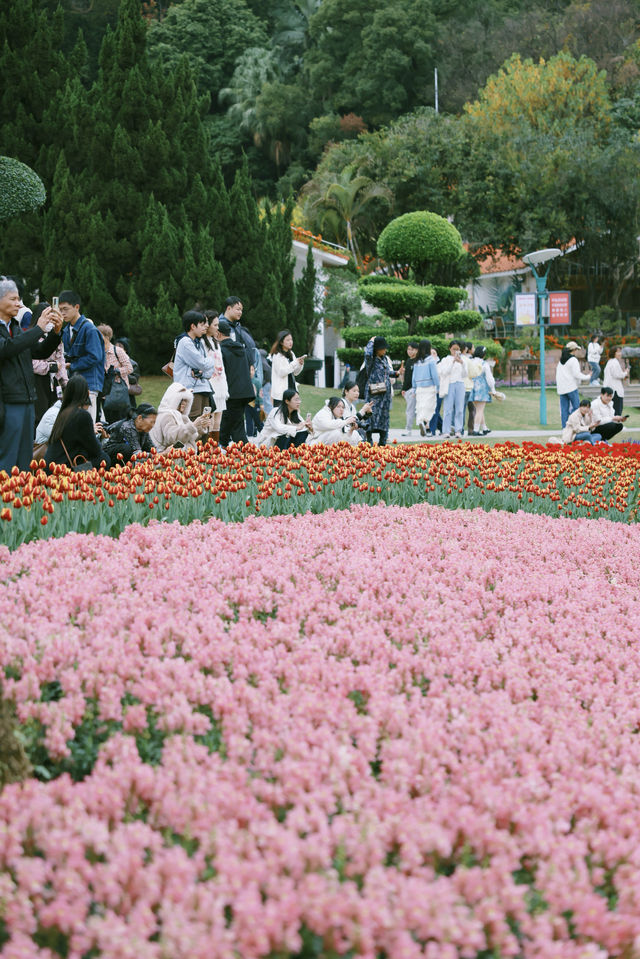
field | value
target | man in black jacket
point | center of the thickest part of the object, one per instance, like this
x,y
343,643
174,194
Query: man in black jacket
x,y
236,366
17,385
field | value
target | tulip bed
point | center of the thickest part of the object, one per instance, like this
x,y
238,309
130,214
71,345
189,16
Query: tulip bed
x,y
577,481
382,732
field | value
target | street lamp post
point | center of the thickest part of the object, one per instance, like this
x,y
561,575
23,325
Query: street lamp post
x,y
540,263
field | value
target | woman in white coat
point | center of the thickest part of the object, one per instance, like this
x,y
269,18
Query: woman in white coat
x,y
614,376
285,366
568,380
284,427
218,379
173,426
330,425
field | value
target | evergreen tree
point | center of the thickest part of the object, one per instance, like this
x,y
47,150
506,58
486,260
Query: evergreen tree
x,y
136,190
152,328
280,260
34,72
305,323
243,256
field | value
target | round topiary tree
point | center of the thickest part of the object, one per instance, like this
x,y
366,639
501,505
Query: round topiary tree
x,y
21,190
423,242
429,248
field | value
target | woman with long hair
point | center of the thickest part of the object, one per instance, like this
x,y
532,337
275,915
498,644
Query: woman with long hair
x,y
73,434
484,387
284,427
332,425
285,366
218,379
426,382
568,380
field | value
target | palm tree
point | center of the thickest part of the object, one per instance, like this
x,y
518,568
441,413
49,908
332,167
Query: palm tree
x,y
255,67
344,207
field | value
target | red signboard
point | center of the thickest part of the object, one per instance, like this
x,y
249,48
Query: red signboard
x,y
560,309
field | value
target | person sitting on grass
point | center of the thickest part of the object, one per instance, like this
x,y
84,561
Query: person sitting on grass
x,y
74,434
284,427
603,414
582,426
130,436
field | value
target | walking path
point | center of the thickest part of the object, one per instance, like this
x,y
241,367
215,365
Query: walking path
x,y
536,436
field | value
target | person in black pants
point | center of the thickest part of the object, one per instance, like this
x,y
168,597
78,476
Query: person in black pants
x,y
237,368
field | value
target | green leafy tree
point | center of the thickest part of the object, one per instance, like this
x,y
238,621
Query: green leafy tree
x,y
213,34
371,57
539,132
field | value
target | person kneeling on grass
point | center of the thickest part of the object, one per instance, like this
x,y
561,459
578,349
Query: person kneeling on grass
x,y
330,425
603,414
582,426
130,436
284,427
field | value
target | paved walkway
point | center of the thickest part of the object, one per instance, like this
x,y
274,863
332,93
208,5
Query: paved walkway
x,y
541,435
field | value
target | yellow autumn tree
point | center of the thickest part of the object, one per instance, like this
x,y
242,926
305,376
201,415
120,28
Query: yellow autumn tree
x,y
546,96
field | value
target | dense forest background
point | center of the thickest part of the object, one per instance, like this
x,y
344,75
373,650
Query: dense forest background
x,y
177,138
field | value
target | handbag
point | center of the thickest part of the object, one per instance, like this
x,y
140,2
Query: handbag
x,y
135,389
79,463
377,389
39,451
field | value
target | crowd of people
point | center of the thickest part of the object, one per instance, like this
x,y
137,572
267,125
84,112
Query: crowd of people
x,y
68,389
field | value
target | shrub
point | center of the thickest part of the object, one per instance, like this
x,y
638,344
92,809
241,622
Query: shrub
x,y
21,190
424,241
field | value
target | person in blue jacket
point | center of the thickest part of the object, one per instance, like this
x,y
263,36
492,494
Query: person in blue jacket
x,y
83,346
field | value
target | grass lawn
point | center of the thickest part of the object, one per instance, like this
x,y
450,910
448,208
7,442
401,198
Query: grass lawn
x,y
520,410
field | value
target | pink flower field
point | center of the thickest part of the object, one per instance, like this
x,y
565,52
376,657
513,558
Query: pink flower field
x,y
384,733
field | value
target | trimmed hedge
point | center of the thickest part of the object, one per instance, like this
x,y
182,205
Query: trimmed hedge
x,y
21,190
400,299
451,321
420,239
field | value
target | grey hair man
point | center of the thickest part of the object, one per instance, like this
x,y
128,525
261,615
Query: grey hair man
x,y
17,385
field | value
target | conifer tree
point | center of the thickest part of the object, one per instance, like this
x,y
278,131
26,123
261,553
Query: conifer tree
x,y
152,328
243,256
34,72
280,259
305,321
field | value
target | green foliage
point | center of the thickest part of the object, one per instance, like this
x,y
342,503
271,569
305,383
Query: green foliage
x,y
342,305
398,300
152,329
371,57
451,321
21,189
423,241
14,764
305,325
213,34
342,208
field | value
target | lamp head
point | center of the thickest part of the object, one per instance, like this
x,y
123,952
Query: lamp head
x,y
539,257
